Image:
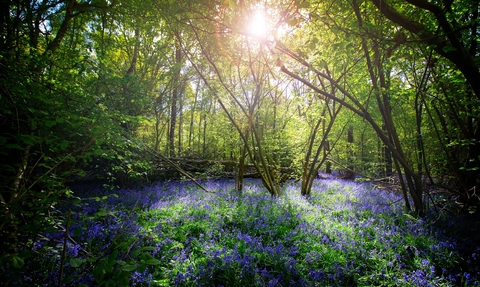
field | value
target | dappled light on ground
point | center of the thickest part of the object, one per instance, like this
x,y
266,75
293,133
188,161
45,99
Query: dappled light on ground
x,y
173,234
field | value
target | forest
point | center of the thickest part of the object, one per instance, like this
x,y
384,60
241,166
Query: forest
x,y
240,143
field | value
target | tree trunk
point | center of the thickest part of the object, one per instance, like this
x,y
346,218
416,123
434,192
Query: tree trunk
x,y
350,154
174,100
204,135
180,126
387,156
192,117
241,168
326,151
381,89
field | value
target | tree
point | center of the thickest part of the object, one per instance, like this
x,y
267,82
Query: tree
x,y
176,94
251,92
41,120
449,31
317,150
354,104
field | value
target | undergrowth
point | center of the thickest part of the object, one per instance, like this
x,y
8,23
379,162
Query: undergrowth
x,y
173,234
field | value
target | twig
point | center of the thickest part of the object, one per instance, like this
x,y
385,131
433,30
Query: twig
x,y
174,165
349,169
62,261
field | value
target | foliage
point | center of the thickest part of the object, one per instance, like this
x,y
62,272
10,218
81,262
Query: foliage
x,y
88,87
58,111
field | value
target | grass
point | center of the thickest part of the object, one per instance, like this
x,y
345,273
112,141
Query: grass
x,y
173,234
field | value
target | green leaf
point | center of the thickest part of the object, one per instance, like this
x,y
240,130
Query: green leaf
x,y
141,268
24,254
304,4
102,212
17,262
135,253
121,262
64,144
410,217
13,146
92,259
76,262
112,258
108,269
313,44
148,248
129,267
110,283
292,22
146,257
124,282
153,262
98,151
49,124
448,49
27,139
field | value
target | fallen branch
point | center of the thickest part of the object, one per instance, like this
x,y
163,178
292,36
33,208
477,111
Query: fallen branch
x,y
174,165
350,170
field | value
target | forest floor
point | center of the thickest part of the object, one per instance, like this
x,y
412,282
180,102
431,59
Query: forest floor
x,y
175,234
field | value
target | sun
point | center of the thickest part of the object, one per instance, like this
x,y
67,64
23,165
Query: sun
x,y
257,25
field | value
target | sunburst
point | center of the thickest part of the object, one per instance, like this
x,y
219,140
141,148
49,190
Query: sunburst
x,y
257,25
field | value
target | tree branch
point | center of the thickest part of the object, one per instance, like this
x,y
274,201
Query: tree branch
x,y
453,49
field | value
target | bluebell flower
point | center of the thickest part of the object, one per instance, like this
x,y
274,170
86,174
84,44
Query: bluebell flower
x,y
141,279
180,278
468,278
72,249
325,240
398,256
275,281
189,271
